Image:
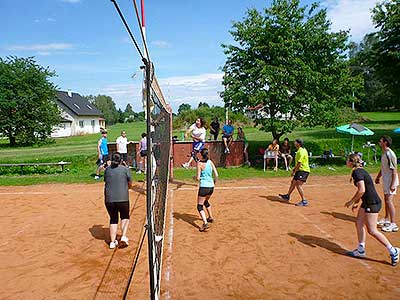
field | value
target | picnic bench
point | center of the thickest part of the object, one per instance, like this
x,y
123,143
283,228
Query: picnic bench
x,y
22,165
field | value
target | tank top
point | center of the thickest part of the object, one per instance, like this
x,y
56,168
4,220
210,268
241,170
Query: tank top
x,y
103,146
206,179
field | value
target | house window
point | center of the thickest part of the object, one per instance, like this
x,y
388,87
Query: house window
x,y
93,123
81,124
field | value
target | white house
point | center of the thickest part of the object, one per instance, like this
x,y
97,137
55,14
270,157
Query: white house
x,y
79,116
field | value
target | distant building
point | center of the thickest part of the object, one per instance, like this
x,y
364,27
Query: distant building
x,y
78,116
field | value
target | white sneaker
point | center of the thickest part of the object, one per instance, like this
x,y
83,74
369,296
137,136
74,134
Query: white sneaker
x,y
383,222
97,177
139,172
113,244
124,242
185,165
391,227
356,253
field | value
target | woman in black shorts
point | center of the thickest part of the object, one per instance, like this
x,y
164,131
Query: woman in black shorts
x,y
205,170
118,181
368,211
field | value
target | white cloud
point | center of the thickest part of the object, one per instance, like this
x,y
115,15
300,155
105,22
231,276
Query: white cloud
x,y
40,47
176,90
161,44
351,14
44,53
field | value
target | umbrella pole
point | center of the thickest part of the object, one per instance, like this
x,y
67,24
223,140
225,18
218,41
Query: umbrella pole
x,y
352,143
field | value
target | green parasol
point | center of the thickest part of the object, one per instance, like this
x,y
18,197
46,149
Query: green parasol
x,y
354,129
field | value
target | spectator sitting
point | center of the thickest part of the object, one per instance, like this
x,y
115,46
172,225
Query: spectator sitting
x,y
286,154
214,129
272,152
227,135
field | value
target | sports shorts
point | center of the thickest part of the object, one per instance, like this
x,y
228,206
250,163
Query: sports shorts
x,y
372,208
301,175
113,208
197,146
205,191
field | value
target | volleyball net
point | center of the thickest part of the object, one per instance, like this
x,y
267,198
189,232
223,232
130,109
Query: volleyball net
x,y
159,150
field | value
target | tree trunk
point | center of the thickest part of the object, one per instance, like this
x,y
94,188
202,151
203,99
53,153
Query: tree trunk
x,y
12,140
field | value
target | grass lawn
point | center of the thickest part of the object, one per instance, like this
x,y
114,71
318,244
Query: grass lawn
x,y
81,152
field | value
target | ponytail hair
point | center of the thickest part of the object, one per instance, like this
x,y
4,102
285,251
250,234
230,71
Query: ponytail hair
x,y
204,154
115,160
355,161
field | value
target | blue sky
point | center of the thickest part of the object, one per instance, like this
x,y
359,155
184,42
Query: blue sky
x,y
86,44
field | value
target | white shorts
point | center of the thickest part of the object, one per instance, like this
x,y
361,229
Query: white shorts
x,y
386,186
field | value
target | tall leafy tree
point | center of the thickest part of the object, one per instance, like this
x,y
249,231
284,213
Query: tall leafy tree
x,y
106,105
129,110
287,63
183,107
28,111
385,55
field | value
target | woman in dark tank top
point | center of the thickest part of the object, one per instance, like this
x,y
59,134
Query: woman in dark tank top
x,y
367,215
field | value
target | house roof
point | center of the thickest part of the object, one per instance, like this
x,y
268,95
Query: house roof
x,y
77,104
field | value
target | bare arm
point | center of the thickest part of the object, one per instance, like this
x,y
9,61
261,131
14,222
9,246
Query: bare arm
x,y
198,173
130,184
357,196
215,172
378,177
393,184
98,149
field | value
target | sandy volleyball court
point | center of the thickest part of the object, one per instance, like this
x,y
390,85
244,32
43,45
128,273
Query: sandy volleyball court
x,y
53,245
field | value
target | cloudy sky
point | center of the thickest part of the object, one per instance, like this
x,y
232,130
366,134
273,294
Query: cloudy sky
x,y
86,44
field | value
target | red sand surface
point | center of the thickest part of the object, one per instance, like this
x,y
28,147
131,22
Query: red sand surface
x,y
53,245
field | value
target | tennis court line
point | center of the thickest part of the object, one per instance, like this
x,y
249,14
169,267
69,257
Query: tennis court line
x,y
55,192
253,187
170,242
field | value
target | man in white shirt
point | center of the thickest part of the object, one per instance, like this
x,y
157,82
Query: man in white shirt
x,y
122,147
388,172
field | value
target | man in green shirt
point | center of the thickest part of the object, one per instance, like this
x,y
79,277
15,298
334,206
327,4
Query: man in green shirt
x,y
300,173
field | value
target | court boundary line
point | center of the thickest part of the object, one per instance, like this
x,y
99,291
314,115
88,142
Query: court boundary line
x,y
168,272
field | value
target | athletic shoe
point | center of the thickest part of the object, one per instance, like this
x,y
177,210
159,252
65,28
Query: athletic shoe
x,y
97,177
139,172
185,165
302,203
210,220
113,244
391,227
285,197
356,253
124,242
395,257
204,227
383,222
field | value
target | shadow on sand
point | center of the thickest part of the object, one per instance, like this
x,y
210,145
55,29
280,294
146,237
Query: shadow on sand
x,y
276,199
188,218
340,216
315,241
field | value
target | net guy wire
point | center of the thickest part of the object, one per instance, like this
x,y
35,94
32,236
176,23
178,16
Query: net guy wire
x,y
127,28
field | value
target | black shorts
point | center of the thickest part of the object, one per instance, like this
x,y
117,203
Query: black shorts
x,y
114,207
103,161
124,157
228,137
301,175
205,191
372,208
143,153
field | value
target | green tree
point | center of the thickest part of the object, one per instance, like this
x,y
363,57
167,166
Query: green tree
x,y
203,104
288,64
375,96
28,111
385,54
107,106
121,116
183,107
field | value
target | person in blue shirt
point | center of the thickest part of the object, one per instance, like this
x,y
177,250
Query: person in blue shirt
x,y
102,153
205,170
227,135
